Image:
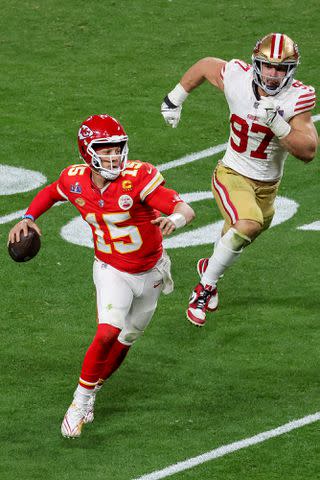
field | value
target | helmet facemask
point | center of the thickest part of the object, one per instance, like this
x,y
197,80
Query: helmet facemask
x,y
284,82
115,168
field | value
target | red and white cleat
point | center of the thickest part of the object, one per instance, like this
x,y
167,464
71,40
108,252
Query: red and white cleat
x,y
214,300
73,421
198,304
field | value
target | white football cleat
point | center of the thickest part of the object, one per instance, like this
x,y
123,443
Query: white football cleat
x,y
214,300
73,421
91,404
89,416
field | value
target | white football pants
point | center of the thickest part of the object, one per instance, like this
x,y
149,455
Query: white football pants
x,y
127,301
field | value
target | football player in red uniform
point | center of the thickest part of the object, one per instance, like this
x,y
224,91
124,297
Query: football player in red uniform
x,y
121,201
270,117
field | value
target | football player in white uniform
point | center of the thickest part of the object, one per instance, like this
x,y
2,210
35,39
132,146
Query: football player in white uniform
x,y
269,118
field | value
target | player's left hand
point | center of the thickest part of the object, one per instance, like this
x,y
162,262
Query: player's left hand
x,y
266,111
165,224
171,115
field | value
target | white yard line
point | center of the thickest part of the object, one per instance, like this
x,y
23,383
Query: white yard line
x,y
18,215
12,216
231,447
192,157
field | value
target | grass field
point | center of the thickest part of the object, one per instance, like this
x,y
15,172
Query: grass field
x,y
182,391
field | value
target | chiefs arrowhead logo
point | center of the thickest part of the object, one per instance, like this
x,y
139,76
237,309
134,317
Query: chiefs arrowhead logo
x,y
85,132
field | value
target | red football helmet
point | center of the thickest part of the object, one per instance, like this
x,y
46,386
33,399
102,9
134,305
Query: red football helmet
x,y
103,130
275,49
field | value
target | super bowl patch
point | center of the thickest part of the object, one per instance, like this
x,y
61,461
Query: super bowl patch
x,y
76,188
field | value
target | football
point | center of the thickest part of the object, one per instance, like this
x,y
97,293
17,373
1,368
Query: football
x,y
27,248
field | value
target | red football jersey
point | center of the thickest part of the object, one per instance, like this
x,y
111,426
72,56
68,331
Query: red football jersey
x,y
119,214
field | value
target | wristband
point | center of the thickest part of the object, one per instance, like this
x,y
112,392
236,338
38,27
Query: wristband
x,y
178,219
168,103
280,127
31,217
178,95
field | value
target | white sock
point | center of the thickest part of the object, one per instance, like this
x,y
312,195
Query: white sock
x,y
82,395
226,251
97,388
217,240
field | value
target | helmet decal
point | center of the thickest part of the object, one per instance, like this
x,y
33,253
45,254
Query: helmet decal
x,y
85,132
276,46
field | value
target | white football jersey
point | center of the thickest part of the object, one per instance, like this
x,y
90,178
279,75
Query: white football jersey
x,y
253,150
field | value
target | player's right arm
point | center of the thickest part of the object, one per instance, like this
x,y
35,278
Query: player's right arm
x,y
44,200
209,68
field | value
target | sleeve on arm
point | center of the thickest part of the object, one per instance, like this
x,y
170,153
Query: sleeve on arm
x,y
163,199
223,69
306,100
228,70
151,178
233,70
44,200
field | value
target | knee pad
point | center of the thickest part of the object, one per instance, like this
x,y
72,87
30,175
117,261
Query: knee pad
x,y
267,222
129,335
113,316
229,247
235,240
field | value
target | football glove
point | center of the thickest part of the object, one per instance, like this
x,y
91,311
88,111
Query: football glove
x,y
266,111
170,113
268,114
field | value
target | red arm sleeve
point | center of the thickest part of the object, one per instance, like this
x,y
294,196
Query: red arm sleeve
x,y
44,200
163,199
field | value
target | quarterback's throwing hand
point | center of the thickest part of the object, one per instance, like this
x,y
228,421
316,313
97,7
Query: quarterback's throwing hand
x,y
22,227
171,115
165,224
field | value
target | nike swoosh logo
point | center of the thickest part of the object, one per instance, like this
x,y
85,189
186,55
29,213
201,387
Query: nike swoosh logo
x,y
157,284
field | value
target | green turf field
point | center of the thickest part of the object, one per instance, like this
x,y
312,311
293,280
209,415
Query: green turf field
x,y
182,391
